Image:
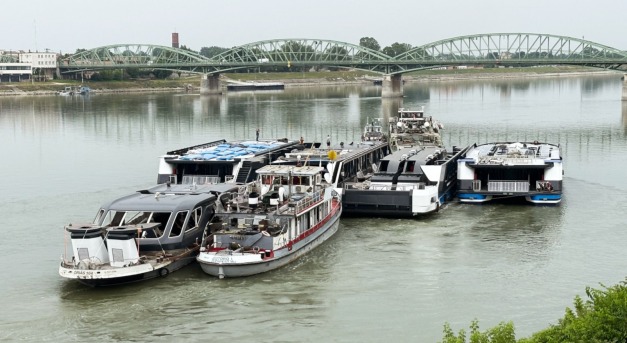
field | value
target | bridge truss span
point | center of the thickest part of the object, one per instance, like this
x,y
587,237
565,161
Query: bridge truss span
x,y
302,52
279,55
134,55
512,49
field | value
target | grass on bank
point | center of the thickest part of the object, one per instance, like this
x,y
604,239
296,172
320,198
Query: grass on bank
x,y
331,76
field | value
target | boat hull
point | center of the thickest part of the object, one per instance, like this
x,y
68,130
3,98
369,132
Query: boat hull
x,y
101,277
389,203
220,266
537,199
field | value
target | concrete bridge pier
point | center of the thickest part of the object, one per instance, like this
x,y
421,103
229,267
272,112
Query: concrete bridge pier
x,y
392,86
210,84
624,98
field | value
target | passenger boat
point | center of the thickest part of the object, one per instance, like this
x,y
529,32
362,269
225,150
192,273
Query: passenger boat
x,y
222,161
408,182
285,213
411,128
343,163
373,131
145,235
67,91
418,177
529,170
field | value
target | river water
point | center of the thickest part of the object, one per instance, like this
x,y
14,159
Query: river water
x,y
376,279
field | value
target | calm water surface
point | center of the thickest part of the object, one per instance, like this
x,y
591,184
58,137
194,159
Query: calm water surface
x,y
376,279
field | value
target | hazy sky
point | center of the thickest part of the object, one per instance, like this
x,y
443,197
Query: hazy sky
x,y
67,25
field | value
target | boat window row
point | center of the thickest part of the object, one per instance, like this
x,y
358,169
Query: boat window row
x,y
181,221
283,180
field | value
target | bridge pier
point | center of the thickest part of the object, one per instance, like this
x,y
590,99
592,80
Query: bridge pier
x,y
624,87
210,84
392,86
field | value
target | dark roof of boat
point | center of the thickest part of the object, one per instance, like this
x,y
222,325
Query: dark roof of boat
x,y
174,198
418,154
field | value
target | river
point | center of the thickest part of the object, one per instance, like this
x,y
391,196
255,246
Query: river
x,y
376,279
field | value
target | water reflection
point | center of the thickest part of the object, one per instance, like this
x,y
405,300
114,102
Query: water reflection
x,y
66,155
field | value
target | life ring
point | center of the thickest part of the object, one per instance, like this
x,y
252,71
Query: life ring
x,y
163,272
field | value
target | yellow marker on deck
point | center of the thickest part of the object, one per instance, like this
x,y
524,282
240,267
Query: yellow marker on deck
x,y
332,155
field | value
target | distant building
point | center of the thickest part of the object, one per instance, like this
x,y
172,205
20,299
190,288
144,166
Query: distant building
x,y
16,66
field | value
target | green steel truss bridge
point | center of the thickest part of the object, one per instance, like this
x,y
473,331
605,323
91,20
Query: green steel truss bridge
x,y
503,49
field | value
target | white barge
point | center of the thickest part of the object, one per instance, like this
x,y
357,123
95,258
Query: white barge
x,y
503,170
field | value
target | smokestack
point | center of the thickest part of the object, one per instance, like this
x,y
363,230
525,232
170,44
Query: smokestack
x,y
175,40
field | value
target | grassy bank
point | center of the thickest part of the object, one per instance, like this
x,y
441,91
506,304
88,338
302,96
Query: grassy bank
x,y
290,78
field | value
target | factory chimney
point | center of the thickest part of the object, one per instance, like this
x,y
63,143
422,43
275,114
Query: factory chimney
x,y
175,40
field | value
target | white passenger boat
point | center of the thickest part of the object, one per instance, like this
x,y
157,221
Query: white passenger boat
x,y
529,170
413,128
343,162
409,182
285,213
145,235
373,131
417,177
224,161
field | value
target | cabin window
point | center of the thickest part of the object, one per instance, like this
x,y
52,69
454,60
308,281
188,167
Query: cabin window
x,y
383,166
266,179
194,221
179,222
99,216
410,166
135,217
161,218
113,218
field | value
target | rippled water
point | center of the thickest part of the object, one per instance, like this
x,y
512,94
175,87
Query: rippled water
x,y
376,279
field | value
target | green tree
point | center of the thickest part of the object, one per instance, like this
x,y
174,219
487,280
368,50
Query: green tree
x,y
502,333
338,53
212,51
396,49
370,43
602,318
184,47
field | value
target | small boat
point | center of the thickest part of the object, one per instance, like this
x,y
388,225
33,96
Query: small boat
x,y
408,182
503,170
83,90
145,235
270,222
373,131
67,91
412,128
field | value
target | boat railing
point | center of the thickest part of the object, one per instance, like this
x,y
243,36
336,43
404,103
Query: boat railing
x,y
200,179
510,159
306,202
377,187
508,186
397,187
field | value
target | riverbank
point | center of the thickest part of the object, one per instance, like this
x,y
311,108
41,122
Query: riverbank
x,y
294,79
